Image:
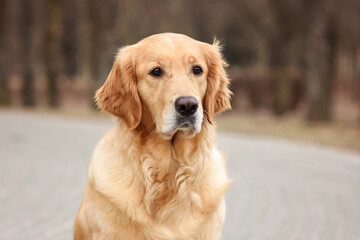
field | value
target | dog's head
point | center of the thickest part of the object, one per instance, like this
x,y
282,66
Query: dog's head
x,y
169,80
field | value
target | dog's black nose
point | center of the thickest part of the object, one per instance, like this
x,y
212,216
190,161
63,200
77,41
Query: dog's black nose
x,y
186,106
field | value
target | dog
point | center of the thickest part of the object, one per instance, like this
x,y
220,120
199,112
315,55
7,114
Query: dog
x,y
157,174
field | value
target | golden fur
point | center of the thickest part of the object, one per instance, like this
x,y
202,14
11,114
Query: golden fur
x,y
145,181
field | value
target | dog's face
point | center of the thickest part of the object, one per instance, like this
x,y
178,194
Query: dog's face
x,y
171,74
169,80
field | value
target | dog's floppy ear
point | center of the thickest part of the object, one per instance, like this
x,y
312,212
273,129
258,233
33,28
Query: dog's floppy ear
x,y
119,94
217,97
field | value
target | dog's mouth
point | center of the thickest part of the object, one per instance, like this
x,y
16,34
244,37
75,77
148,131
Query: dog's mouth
x,y
187,125
185,122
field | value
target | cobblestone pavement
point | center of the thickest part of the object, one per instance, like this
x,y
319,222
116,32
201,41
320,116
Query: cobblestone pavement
x,y
281,190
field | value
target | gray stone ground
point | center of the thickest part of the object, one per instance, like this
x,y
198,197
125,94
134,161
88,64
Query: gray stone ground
x,y
281,190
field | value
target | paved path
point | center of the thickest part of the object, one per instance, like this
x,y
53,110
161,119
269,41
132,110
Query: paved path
x,y
281,190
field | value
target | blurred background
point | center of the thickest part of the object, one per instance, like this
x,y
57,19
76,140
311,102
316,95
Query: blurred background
x,y
294,61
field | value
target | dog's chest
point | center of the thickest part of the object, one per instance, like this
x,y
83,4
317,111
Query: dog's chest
x,y
170,189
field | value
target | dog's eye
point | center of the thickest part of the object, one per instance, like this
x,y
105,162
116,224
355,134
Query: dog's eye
x,y
197,70
156,72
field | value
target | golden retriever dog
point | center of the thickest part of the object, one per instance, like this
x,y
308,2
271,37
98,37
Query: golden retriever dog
x,y
157,173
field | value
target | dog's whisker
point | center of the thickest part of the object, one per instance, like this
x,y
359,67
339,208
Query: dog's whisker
x,y
157,117
206,118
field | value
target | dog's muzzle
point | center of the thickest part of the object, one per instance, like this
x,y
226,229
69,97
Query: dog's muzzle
x,y
186,115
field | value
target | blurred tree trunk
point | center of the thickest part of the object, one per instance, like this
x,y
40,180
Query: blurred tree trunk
x,y
99,12
283,95
52,49
356,72
280,46
4,97
27,54
262,56
321,65
38,15
96,33
107,15
14,51
84,42
69,44
356,60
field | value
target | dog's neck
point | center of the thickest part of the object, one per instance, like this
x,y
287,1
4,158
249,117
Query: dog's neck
x,y
180,145
168,163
